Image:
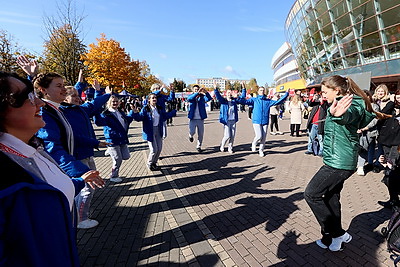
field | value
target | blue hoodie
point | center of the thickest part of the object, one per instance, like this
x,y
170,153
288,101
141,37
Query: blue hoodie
x,y
198,100
224,108
261,104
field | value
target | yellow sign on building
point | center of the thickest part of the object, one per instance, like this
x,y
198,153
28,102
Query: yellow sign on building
x,y
297,84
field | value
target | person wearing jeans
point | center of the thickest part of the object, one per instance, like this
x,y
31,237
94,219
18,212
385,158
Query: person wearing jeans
x,y
350,110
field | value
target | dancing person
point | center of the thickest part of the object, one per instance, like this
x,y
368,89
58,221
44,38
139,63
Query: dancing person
x,y
153,117
350,110
37,196
115,128
228,116
261,106
79,115
296,109
58,134
274,112
197,114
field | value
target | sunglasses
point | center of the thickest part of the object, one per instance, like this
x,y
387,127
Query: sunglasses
x,y
16,100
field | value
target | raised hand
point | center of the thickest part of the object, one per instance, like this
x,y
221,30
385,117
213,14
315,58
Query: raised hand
x,y
215,85
338,108
96,85
30,67
80,76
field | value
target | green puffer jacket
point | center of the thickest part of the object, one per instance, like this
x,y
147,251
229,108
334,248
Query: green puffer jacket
x,y
341,141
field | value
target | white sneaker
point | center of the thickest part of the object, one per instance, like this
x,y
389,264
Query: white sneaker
x,y
230,150
280,133
253,147
87,224
273,133
320,244
116,180
336,244
261,153
221,148
360,171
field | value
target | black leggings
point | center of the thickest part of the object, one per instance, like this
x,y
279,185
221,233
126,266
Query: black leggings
x,y
274,121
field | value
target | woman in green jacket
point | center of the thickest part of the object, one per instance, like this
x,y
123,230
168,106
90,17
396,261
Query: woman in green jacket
x,y
350,110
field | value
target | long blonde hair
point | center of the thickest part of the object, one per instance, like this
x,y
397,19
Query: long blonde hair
x,y
109,102
384,88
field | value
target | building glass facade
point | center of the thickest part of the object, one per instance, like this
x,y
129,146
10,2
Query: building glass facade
x,y
345,37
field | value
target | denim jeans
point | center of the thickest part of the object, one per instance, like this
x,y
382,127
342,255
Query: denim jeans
x,y
323,196
312,133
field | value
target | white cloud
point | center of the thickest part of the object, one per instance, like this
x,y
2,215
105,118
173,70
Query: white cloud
x,y
229,69
163,56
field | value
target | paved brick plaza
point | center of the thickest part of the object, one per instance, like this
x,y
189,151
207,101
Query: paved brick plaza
x,y
221,209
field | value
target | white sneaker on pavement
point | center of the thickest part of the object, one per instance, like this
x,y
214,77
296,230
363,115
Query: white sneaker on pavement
x,y
360,171
116,180
87,224
261,153
273,133
320,244
253,147
336,244
221,148
280,133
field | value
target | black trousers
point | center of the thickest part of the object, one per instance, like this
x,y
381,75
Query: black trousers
x,y
293,128
274,121
323,196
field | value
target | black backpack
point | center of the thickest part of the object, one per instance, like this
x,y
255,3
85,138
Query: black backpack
x,y
392,235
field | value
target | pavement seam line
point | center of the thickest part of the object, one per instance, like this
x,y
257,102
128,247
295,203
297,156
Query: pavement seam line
x,y
186,250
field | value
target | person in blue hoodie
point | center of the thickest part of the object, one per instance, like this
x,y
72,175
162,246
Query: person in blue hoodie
x,y
79,115
37,196
261,106
197,113
228,116
115,124
153,118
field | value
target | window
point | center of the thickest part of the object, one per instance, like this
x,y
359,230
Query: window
x,y
392,34
391,16
386,4
370,41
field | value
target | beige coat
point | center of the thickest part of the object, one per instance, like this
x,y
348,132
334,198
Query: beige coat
x,y
296,111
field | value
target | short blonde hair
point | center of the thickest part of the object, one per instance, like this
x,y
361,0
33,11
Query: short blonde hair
x,y
109,102
155,87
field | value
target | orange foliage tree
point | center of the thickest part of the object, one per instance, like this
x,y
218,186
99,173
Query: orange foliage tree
x,y
108,62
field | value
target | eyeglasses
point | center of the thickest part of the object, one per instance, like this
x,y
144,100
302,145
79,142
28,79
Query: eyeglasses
x,y
16,100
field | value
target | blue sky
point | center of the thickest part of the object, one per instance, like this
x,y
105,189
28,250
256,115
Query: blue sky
x,y
181,39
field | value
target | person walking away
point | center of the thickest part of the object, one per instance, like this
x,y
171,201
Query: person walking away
x,y
274,112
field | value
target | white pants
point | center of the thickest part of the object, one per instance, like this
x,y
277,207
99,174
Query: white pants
x,y
199,124
229,133
118,154
155,146
83,199
261,135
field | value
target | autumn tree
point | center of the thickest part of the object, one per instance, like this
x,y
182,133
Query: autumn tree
x,y
237,86
147,78
108,62
63,47
252,85
228,85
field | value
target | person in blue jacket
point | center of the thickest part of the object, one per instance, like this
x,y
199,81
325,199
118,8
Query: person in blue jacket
x,y
153,117
197,113
115,127
261,105
37,196
79,115
228,116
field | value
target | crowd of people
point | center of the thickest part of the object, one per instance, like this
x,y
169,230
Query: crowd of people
x,y
47,144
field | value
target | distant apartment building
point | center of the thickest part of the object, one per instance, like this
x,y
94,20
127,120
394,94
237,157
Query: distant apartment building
x,y
221,82
286,73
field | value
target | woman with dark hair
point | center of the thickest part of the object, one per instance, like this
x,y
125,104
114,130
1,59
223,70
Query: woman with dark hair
x,y
37,196
153,117
350,110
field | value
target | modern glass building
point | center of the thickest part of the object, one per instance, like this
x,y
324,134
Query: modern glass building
x,y
346,37
286,74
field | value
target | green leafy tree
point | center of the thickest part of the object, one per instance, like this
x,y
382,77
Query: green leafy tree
x,y
228,85
237,86
178,85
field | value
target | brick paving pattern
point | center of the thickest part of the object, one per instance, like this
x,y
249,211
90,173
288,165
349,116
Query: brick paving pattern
x,y
220,209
